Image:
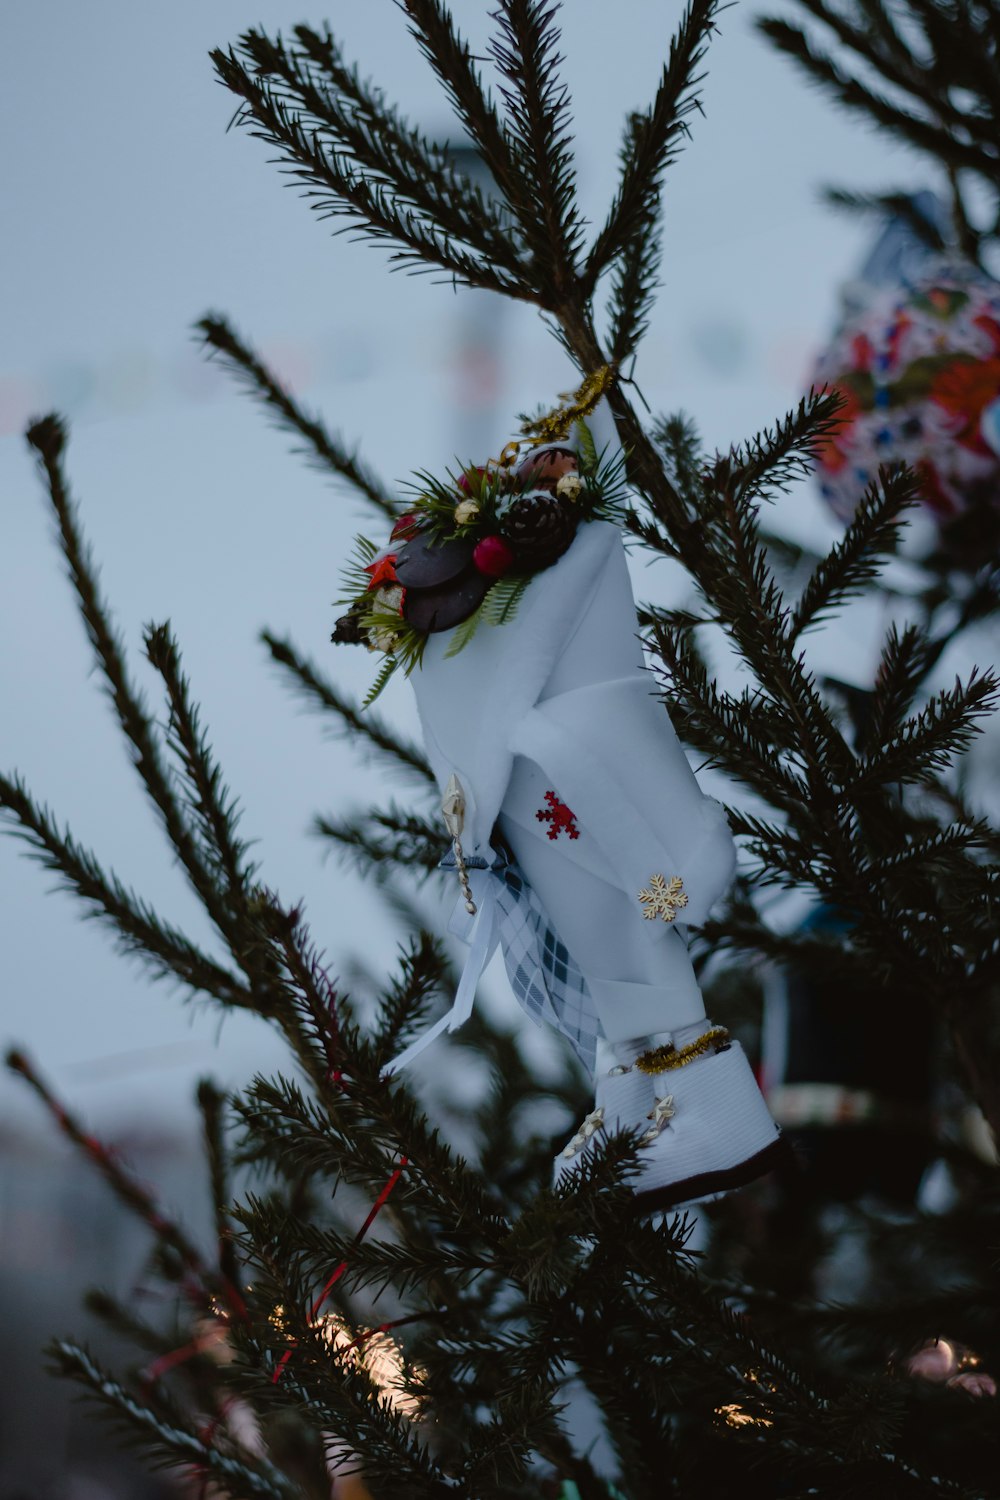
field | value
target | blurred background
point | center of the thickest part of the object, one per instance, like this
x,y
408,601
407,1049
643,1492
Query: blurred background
x,y
128,211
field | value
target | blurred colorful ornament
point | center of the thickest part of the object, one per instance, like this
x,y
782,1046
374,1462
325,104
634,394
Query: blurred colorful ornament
x,y
917,362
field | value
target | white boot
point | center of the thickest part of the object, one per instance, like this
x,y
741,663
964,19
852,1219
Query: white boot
x,y
703,1124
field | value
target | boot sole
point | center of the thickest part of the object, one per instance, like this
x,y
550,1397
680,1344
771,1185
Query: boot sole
x,y
704,1186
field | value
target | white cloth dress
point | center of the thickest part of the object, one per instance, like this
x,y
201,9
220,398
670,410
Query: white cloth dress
x,y
558,701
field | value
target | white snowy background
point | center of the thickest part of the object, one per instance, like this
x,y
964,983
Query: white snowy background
x,y
127,212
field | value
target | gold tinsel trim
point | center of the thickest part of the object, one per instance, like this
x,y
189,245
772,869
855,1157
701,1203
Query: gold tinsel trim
x,y
555,425
663,1059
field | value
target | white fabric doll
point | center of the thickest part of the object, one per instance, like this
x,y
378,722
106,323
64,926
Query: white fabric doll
x,y
586,844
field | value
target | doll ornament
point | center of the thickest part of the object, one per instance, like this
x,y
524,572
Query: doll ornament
x,y
581,839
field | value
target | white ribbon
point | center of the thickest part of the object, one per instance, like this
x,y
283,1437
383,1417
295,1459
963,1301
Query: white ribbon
x,y
482,933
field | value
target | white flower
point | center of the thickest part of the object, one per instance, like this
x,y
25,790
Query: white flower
x,y
466,511
390,598
383,639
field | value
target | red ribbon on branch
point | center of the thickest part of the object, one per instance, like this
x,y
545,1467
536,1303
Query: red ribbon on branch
x,y
376,1209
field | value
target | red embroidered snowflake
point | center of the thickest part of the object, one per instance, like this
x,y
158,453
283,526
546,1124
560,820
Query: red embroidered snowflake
x,y
558,815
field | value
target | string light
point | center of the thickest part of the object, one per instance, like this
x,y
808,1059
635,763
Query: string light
x,y
734,1416
378,1355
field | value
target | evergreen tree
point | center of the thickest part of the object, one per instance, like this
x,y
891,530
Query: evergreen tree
x,y
375,1296
926,72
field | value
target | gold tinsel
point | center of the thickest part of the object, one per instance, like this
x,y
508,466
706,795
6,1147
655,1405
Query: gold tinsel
x,y
554,427
663,1059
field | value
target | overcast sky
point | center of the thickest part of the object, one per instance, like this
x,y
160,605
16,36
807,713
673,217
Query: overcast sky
x,y
128,211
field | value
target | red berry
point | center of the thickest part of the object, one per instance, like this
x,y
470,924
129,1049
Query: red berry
x,y
470,482
492,556
405,526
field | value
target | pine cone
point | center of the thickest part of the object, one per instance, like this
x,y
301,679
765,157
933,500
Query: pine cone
x,y
347,631
539,527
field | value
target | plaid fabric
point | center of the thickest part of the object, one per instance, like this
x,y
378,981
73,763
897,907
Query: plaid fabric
x,y
541,970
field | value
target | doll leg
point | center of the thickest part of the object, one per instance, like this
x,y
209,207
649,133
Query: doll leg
x,y
662,1069
637,987
641,981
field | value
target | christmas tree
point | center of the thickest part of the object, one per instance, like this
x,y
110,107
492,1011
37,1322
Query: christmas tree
x,y
437,1316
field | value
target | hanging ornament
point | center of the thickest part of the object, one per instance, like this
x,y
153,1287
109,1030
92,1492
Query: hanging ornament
x,y
916,361
540,527
470,544
591,924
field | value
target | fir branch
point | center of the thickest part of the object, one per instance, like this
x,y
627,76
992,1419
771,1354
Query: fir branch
x,y
895,61
125,1185
935,851
356,1130
744,735
337,187
636,270
212,1104
896,203
953,42
926,743
452,60
214,811
748,936
652,143
395,1459
326,449
855,560
774,459
937,140
679,442
404,1002
124,1322
499,1453
297,1135
539,137
309,1250
737,581
906,658
356,120
243,1478
380,839
317,692
140,932
48,438
783,858
214,817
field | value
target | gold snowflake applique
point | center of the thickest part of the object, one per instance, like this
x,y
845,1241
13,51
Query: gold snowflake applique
x,y
663,898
